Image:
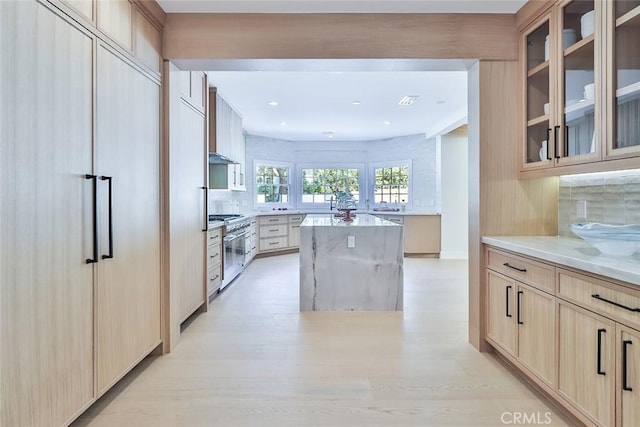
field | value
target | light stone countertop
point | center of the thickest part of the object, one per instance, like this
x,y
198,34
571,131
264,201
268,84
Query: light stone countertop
x,y
369,212
361,220
571,252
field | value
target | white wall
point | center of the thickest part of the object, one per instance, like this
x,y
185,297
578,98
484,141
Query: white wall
x,y
455,196
416,148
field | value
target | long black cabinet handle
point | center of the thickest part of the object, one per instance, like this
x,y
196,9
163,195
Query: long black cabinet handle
x,y
566,141
506,291
598,297
206,208
548,142
519,318
555,141
522,270
599,368
94,178
109,180
625,384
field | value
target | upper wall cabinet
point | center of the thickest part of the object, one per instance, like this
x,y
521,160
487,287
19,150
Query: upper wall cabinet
x,y
623,78
114,18
561,69
580,64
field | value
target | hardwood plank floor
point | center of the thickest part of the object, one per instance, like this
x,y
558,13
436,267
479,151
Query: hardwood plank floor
x,y
255,360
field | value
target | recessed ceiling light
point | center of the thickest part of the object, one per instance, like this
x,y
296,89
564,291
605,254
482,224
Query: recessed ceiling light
x,y
274,103
408,99
356,102
387,122
441,102
283,123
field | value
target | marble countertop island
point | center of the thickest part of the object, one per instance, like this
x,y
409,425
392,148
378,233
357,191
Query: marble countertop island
x,y
349,266
571,252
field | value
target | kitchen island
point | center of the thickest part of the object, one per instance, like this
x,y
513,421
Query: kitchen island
x,y
350,266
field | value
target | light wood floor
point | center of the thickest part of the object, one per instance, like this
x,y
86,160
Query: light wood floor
x,y
254,360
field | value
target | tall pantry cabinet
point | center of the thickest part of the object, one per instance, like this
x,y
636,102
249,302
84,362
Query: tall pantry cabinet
x,y
79,214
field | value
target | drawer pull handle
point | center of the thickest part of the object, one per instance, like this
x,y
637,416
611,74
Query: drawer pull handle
x,y
598,297
519,319
273,243
625,384
506,292
274,220
522,270
599,368
273,231
213,279
215,255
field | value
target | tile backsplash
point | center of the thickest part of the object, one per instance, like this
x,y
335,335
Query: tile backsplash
x,y
611,198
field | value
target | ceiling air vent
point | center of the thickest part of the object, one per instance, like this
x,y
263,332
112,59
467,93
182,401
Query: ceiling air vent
x,y
408,100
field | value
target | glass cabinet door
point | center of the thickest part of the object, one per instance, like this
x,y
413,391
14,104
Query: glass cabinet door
x,y
537,50
576,137
624,78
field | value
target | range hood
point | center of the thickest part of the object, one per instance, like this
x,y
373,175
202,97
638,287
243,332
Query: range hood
x,y
219,159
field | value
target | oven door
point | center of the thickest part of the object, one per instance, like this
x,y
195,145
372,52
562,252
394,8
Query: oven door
x,y
233,257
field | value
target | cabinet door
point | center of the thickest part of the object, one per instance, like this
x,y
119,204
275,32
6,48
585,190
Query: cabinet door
x,y
127,149
46,286
422,234
629,377
536,320
187,207
580,83
115,19
586,352
623,78
537,50
501,324
294,235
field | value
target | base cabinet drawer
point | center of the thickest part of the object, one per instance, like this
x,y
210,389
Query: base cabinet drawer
x,y
273,219
273,230
214,279
294,235
273,243
620,303
523,269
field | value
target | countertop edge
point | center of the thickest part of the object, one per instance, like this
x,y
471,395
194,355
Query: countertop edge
x,y
595,264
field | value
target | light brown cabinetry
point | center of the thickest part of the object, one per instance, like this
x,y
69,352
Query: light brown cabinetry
x,y
214,261
114,17
521,320
422,234
127,151
188,194
628,369
227,138
79,291
586,371
46,287
581,85
279,232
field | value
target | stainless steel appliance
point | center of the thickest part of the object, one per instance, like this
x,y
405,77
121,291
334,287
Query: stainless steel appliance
x,y
235,232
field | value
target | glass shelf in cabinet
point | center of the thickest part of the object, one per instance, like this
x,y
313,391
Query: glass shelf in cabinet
x,y
630,19
579,109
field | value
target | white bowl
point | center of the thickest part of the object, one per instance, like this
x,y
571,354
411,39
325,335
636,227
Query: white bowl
x,y
569,37
543,151
590,91
587,24
615,240
546,48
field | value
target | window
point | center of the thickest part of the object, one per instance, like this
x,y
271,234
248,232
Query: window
x,y
272,184
391,184
319,185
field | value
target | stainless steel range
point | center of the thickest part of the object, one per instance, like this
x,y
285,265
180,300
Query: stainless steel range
x,y
235,230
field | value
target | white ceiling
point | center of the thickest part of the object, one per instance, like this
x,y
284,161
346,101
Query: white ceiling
x,y
341,6
312,103
315,96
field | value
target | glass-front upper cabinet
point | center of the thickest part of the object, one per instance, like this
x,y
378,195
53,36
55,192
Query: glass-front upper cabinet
x,y
623,78
576,132
537,50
